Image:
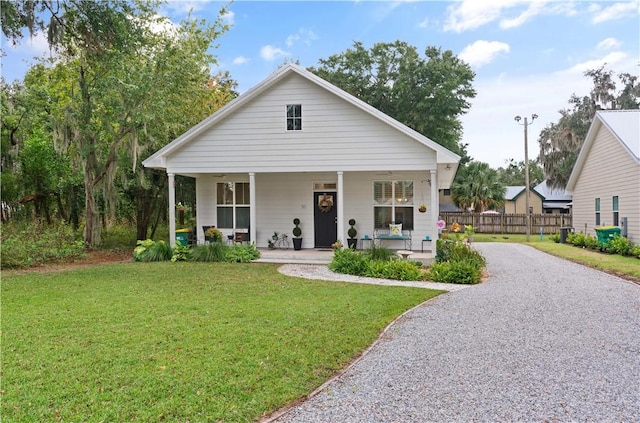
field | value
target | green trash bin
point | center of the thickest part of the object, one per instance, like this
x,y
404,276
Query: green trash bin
x,y
182,236
605,233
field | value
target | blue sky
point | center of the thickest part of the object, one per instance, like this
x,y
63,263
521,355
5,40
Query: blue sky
x,y
529,56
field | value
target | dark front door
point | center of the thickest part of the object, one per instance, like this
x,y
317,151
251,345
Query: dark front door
x,y
325,218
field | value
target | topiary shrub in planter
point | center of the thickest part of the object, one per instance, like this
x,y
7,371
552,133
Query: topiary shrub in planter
x,y
352,241
297,240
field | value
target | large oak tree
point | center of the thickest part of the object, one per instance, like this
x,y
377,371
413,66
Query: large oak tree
x,y
427,93
560,142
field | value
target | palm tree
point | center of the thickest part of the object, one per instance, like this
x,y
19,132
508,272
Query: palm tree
x,y
477,187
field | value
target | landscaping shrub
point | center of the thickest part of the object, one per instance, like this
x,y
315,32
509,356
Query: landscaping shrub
x,y
591,242
635,251
401,270
349,262
578,239
380,253
352,262
32,243
149,250
180,253
451,250
212,252
619,245
555,238
242,253
455,271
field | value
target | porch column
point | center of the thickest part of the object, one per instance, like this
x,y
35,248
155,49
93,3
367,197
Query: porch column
x,y
435,209
341,208
172,209
252,208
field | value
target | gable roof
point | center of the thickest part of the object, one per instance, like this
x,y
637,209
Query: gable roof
x,y
625,127
551,194
513,191
158,159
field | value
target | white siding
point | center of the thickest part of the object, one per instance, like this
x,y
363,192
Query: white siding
x,y
281,197
609,170
334,133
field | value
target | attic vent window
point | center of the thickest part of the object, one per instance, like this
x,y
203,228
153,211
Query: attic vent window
x,y
294,117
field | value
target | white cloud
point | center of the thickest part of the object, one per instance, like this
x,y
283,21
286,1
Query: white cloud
x,y
534,9
608,44
472,14
271,53
241,60
229,18
306,36
424,23
35,45
482,52
615,11
183,7
292,39
613,60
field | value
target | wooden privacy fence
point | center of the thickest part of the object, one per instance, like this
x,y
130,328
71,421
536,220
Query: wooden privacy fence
x,y
508,223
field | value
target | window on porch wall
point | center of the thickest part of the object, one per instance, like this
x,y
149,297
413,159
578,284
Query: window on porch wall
x,y
233,205
393,203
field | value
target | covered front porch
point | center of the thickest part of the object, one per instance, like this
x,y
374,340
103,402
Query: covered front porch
x,y
262,204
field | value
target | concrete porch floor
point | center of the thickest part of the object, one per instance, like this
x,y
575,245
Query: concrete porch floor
x,y
317,256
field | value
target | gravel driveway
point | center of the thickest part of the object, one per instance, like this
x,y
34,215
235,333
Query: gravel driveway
x,y
542,340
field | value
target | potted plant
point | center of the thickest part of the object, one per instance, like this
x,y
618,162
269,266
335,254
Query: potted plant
x,y
297,240
352,241
213,234
422,208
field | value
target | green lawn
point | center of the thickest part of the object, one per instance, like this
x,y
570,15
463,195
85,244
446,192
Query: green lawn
x,y
611,263
179,341
517,238
623,266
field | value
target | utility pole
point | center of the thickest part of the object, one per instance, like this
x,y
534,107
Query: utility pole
x,y
526,172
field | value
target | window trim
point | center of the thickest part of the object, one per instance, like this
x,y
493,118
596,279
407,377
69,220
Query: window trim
x,y
234,206
295,117
394,204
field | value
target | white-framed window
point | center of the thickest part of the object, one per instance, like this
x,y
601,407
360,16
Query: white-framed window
x,y
393,203
294,117
233,205
616,213
597,212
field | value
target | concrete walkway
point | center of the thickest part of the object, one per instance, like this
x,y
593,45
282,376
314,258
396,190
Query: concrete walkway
x,y
315,256
542,339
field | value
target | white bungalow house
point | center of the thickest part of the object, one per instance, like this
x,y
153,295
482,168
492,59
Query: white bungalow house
x,y
605,180
296,146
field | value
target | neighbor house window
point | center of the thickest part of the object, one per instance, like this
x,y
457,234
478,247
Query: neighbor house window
x,y
614,207
233,205
393,203
294,117
446,192
597,212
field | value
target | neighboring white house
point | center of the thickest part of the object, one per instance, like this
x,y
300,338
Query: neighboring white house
x,y
296,146
605,180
